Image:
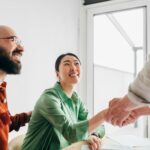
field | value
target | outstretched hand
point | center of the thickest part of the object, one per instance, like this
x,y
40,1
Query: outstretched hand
x,y
117,113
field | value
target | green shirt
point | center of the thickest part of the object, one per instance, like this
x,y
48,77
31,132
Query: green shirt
x,y
57,121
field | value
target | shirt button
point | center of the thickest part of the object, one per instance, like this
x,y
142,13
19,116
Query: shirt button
x,y
5,100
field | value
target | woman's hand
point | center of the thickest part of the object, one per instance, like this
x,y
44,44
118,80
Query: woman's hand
x,y
94,142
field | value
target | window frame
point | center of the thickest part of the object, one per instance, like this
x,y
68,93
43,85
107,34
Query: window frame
x,y
87,44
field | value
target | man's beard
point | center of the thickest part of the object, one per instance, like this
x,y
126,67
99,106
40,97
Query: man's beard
x,y
8,65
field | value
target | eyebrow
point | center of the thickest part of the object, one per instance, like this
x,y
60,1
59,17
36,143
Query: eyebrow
x,y
8,37
70,61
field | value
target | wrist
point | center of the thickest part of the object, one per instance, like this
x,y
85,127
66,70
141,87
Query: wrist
x,y
95,134
127,104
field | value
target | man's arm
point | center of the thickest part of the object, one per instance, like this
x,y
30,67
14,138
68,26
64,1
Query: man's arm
x,y
19,120
139,89
138,96
136,113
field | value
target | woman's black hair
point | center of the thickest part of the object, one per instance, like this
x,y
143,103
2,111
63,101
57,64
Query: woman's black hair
x,y
58,60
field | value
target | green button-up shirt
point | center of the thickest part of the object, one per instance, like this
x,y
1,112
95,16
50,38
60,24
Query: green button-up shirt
x,y
57,121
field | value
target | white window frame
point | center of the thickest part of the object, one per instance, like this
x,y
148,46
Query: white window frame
x,y
87,44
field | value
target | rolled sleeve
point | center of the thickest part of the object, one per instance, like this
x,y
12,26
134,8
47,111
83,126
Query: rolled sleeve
x,y
139,89
18,121
81,130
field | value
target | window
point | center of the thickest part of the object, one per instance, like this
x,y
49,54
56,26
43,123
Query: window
x,y
117,35
118,54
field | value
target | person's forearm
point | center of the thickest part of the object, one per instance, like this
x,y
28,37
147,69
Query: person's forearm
x,y
128,105
142,111
19,120
96,120
140,87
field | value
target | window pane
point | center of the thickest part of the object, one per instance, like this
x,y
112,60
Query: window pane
x,y
118,55
110,47
132,23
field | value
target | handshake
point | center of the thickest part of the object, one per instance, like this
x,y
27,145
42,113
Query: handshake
x,y
122,111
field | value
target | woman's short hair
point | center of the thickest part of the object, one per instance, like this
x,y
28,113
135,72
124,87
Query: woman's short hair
x,y
58,60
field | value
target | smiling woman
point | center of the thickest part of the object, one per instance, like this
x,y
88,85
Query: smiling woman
x,y
60,118
66,75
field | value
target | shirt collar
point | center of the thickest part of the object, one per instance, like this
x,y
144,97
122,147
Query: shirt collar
x,y
63,95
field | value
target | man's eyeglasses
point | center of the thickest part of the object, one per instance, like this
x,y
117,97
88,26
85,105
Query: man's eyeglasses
x,y
13,38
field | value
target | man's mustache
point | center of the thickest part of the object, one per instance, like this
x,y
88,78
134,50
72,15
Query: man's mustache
x,y
17,51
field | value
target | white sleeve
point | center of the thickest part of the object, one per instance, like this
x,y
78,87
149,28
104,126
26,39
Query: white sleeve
x,y
139,89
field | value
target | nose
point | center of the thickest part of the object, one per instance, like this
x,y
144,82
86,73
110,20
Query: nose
x,y
73,67
20,47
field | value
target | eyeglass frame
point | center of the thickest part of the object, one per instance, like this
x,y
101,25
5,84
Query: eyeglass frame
x,y
14,38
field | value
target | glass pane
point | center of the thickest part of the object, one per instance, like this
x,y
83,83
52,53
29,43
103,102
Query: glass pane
x,y
116,59
110,47
134,27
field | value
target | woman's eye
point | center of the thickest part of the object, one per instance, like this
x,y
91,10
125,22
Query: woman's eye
x,y
77,63
66,64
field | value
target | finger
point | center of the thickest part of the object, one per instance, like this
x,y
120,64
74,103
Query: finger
x,y
91,147
128,121
116,122
125,123
91,142
120,122
133,115
97,142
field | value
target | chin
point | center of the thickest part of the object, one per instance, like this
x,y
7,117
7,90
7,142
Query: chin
x,y
75,82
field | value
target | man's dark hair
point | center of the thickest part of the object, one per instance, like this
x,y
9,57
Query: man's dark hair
x,y
58,60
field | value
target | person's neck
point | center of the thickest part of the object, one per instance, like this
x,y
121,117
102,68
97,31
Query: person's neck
x,y
68,89
2,76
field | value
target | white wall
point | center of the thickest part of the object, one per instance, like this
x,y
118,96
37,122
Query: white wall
x,y
47,29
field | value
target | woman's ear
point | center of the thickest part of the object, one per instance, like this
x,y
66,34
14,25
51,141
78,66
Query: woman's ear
x,y
57,74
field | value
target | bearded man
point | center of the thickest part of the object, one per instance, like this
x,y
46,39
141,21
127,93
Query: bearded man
x,y
11,51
